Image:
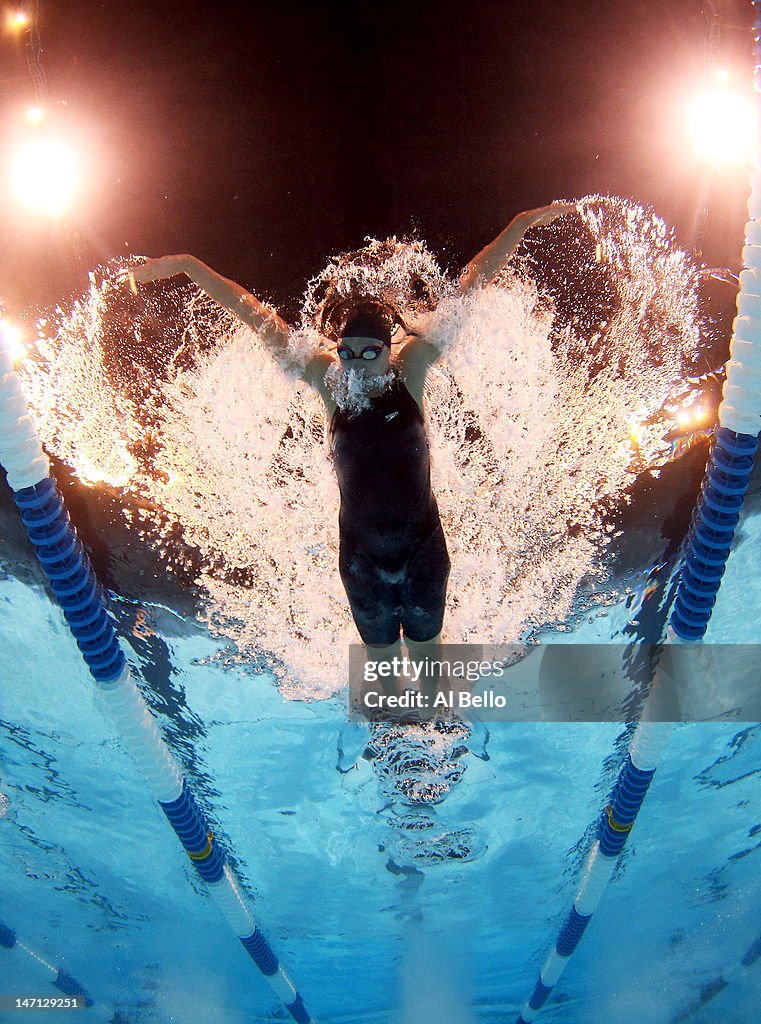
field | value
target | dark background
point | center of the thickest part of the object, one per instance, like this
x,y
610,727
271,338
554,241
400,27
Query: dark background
x,y
264,137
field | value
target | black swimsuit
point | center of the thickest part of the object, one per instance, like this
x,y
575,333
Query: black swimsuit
x,y
393,556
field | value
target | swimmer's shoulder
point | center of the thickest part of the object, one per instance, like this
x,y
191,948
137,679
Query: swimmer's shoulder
x,y
413,362
314,373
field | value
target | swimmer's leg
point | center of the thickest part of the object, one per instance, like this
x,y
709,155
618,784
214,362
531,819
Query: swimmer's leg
x,y
425,656
424,598
353,740
373,599
374,607
382,677
378,677
390,656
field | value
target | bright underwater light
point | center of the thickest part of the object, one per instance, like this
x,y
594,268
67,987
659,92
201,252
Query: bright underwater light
x,y
34,115
722,126
13,339
16,21
691,417
45,175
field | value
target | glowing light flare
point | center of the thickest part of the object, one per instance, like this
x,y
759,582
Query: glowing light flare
x,y
45,175
34,115
16,21
14,339
722,126
691,417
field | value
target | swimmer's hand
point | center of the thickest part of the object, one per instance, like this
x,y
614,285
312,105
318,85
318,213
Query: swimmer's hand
x,y
156,270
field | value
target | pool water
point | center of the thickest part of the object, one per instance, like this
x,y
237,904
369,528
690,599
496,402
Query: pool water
x,y
381,910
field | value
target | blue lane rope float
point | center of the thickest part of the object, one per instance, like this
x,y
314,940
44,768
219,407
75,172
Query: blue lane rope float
x,y
63,981
711,531
83,601
703,563
616,823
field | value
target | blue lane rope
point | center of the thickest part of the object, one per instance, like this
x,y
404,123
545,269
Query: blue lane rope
x,y
71,577
619,817
704,560
711,532
616,823
83,600
84,603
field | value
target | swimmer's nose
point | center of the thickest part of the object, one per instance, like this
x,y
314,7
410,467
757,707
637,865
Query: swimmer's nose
x,y
360,366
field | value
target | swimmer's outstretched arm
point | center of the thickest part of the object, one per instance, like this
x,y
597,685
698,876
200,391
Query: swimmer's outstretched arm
x,y
272,329
484,267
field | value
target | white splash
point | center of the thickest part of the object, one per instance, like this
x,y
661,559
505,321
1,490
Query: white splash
x,y
530,422
92,435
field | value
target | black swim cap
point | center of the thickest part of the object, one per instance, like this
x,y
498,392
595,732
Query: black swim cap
x,y
368,324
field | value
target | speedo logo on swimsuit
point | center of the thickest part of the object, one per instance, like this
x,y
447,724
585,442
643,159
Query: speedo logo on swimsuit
x,y
390,415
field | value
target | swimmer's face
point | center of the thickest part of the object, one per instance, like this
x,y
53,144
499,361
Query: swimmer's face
x,y
367,356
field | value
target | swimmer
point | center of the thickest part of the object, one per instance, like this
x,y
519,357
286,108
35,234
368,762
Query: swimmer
x,y
393,558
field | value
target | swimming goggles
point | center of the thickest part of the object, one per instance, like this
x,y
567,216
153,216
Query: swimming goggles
x,y
370,352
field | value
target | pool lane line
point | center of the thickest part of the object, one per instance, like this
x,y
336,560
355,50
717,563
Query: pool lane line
x,y
704,560
84,604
